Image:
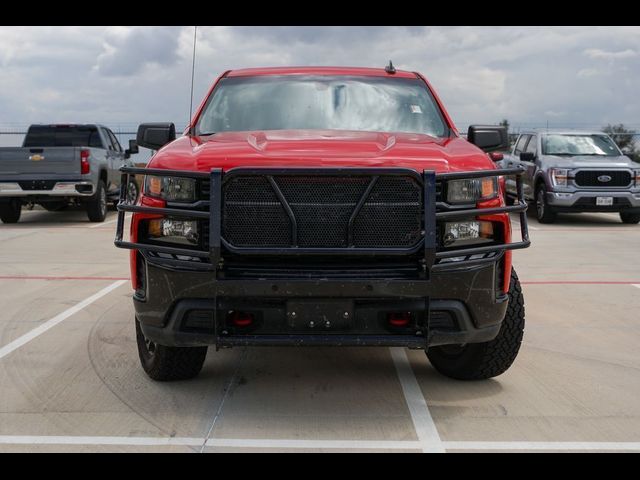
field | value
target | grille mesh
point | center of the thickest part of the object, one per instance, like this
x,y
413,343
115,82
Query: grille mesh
x,y
589,178
322,206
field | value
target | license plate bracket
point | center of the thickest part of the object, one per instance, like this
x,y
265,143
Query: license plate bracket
x,y
604,201
320,314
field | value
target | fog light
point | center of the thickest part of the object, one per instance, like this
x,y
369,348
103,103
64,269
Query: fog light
x,y
174,231
464,233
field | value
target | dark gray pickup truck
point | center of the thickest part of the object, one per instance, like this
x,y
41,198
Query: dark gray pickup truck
x,y
58,165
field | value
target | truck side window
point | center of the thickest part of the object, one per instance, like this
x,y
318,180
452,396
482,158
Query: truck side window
x,y
114,141
522,141
94,139
107,140
532,146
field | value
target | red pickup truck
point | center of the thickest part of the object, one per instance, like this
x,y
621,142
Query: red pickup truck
x,y
324,206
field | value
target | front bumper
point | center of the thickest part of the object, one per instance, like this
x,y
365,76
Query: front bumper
x,y
59,189
585,201
192,308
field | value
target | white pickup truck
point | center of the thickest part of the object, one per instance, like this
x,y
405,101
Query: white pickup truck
x,y
62,164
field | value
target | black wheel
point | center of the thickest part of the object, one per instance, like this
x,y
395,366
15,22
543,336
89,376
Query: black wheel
x,y
10,210
479,361
164,363
97,206
544,213
630,218
132,195
54,206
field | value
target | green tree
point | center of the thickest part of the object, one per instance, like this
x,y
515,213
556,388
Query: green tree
x,y
624,138
511,136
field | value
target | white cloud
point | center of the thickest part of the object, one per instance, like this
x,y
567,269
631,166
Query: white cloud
x,y
124,75
588,72
606,55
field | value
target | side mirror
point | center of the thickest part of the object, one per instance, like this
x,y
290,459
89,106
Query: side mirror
x,y
527,156
155,135
488,137
133,149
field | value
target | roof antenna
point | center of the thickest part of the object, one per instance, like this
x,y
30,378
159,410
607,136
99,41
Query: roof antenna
x,y
390,69
193,68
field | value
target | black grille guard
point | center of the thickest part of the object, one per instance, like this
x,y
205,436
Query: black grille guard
x,y
434,211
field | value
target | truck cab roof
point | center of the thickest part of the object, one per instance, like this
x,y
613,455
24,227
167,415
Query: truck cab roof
x,y
358,71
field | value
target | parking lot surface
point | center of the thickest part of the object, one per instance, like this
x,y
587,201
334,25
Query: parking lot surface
x,y
71,381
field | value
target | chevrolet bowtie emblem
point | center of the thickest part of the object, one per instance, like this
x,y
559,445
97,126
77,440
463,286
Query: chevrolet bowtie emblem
x,y
36,158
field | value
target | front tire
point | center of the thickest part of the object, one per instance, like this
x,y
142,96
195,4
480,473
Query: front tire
x,y
544,213
630,218
10,211
479,361
97,206
163,364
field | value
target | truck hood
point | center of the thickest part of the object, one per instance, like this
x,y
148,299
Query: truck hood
x,y
320,148
590,161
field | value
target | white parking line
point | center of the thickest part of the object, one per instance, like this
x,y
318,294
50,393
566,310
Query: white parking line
x,y
636,285
314,444
549,446
428,436
98,225
126,441
27,337
127,216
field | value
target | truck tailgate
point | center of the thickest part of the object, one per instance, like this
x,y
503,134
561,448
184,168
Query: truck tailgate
x,y
39,163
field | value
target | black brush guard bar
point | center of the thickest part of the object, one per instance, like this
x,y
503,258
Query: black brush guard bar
x,y
428,244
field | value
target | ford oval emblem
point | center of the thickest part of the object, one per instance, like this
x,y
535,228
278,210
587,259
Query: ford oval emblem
x,y
604,178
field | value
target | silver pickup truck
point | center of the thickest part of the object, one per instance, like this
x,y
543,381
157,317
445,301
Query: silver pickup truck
x,y
62,164
570,172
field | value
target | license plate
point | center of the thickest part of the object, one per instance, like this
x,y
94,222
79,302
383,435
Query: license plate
x,y
604,201
320,314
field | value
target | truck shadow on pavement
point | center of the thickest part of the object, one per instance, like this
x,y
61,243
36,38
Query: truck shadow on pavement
x,y
589,220
41,217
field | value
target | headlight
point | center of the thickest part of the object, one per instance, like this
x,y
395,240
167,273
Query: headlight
x,y
637,176
559,177
457,234
184,232
472,190
171,189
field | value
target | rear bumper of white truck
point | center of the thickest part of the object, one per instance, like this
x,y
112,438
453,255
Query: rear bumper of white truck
x,y
56,189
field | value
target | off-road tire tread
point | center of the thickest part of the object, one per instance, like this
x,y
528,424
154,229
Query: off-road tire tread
x,y
171,363
177,363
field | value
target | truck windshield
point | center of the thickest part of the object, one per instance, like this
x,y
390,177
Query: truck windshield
x,y
321,103
62,136
596,144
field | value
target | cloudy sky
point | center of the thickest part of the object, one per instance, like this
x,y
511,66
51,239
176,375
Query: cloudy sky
x,y
124,75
